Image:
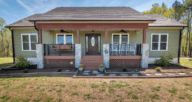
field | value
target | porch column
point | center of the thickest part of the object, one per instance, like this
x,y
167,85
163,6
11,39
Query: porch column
x,y
106,35
40,56
145,55
40,35
106,55
78,39
144,36
77,55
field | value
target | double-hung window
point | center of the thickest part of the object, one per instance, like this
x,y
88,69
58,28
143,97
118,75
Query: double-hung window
x,y
64,38
159,42
29,41
120,38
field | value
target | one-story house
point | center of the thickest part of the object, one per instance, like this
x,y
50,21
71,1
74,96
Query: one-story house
x,y
113,36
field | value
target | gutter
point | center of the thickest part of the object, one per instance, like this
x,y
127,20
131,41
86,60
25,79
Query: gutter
x,y
179,50
36,29
13,50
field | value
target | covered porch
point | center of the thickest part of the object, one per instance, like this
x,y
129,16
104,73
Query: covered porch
x,y
119,44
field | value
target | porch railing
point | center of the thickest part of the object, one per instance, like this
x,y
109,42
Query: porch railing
x,y
125,49
59,49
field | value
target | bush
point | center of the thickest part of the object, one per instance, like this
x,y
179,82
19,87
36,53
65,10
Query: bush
x,y
101,65
158,68
22,63
59,69
81,66
124,68
25,70
165,60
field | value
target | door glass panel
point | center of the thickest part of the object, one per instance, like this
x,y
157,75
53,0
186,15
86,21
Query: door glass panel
x,y
86,38
115,39
68,39
60,39
92,41
99,43
124,39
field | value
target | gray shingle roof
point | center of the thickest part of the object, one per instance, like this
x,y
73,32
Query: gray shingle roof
x,y
163,21
95,14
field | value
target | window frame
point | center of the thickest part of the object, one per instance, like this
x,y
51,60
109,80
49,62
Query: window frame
x,y
29,37
159,41
120,36
64,36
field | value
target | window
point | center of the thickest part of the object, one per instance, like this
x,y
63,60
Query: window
x,y
64,38
159,42
29,41
120,38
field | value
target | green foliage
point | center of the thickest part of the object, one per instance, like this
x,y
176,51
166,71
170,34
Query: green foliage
x,y
25,70
155,96
111,90
59,69
187,84
158,68
173,90
75,93
94,86
135,96
21,62
165,59
81,66
101,65
124,68
112,81
119,85
156,88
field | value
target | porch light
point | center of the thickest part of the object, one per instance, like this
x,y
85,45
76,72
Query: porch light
x,y
92,31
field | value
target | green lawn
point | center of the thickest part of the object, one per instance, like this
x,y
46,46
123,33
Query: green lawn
x,y
186,62
63,89
6,61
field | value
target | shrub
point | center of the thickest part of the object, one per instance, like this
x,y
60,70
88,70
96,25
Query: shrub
x,y
81,66
101,65
21,62
59,69
165,60
25,70
158,68
124,68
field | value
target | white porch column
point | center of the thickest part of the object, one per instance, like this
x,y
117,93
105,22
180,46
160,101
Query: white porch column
x,y
106,55
40,56
77,55
145,55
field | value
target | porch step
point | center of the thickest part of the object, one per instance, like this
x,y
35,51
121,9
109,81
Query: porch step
x,y
91,62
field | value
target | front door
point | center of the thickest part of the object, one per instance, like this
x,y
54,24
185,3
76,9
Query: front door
x,y
93,44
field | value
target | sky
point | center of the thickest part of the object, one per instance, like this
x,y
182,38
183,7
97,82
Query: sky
x,y
14,10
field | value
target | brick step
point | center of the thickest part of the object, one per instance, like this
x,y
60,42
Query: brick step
x,y
91,62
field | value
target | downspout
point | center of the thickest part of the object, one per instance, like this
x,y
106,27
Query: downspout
x,y
13,47
36,29
179,50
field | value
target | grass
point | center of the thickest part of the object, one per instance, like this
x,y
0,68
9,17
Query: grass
x,y
6,61
56,89
186,63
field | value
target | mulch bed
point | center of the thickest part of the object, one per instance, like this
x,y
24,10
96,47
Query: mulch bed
x,y
33,69
150,68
